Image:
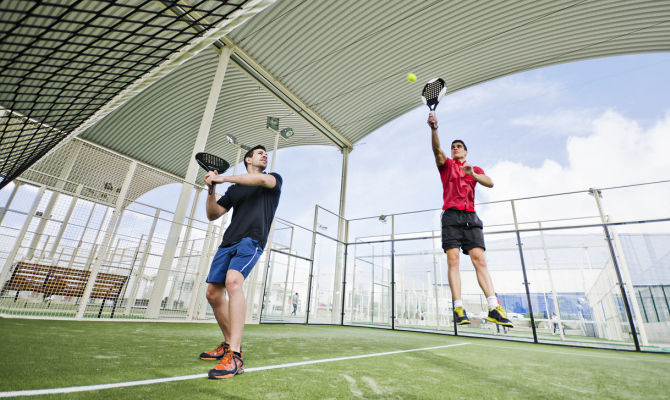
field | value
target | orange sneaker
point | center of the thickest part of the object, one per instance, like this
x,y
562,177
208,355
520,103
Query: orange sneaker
x,y
230,365
217,353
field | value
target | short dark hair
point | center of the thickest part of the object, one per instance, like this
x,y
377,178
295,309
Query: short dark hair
x,y
461,142
251,153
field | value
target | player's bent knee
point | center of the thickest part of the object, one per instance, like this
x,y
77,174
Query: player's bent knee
x,y
214,294
234,281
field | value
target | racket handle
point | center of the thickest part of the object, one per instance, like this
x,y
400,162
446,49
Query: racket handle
x,y
211,188
432,114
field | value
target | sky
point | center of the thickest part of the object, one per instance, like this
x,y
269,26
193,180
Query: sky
x,y
594,123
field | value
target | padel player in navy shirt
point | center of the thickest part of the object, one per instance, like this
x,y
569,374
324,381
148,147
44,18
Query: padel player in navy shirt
x,y
254,197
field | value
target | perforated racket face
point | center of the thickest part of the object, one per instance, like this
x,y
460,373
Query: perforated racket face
x,y
433,92
210,162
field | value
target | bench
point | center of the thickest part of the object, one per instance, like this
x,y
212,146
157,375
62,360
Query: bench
x,y
51,280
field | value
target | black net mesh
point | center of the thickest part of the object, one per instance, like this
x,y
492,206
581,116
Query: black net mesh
x,y
61,61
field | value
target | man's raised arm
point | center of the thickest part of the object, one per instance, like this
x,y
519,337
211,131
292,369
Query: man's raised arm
x,y
440,157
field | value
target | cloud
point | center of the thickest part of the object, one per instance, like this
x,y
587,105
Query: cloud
x,y
616,152
559,123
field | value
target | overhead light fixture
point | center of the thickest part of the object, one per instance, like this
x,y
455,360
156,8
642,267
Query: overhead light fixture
x,y
231,139
273,123
245,147
286,133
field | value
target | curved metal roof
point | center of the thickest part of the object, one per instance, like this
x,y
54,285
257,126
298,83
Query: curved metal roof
x,y
335,71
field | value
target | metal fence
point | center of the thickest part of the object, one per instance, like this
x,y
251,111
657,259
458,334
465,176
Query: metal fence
x,y
587,268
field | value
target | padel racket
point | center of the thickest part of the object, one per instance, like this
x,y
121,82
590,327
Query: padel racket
x,y
433,92
210,162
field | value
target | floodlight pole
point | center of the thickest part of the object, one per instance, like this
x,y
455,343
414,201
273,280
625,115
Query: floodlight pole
x,y
274,152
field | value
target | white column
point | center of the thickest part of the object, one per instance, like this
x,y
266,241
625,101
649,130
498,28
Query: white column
x,y
201,312
103,254
19,237
339,257
187,237
177,221
198,292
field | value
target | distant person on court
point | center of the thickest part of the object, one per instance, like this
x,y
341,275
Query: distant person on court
x,y
461,227
294,301
554,320
254,197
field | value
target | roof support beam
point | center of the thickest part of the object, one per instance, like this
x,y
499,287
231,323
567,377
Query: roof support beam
x,y
250,66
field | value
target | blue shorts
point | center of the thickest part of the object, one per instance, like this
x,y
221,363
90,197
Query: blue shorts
x,y
240,256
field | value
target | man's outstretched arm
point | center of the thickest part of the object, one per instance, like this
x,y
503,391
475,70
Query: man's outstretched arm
x,y
440,157
265,180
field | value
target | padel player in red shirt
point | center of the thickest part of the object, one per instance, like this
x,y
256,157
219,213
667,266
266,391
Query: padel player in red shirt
x,y
461,227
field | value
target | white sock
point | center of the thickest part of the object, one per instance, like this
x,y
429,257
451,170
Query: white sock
x,y
458,303
493,302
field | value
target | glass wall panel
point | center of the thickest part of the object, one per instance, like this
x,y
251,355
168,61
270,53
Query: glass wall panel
x,y
286,289
422,294
323,282
368,300
574,290
504,265
643,252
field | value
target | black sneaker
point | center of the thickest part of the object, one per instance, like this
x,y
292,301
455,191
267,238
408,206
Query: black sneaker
x,y
461,316
499,316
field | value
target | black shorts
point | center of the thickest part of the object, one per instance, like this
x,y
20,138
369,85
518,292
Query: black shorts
x,y
461,229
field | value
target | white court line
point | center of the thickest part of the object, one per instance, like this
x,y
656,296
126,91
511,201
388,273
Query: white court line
x,y
573,353
74,389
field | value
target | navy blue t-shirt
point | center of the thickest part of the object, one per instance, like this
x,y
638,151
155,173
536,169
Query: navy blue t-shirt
x,y
253,210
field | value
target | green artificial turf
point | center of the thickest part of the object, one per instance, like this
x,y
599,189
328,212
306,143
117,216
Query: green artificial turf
x,y
38,354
